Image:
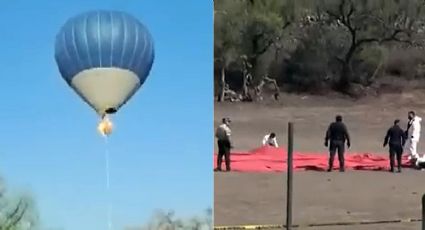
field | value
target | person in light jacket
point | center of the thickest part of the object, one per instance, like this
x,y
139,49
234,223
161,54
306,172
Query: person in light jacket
x,y
413,134
270,140
223,134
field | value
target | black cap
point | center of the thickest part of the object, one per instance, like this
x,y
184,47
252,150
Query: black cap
x,y
226,119
338,118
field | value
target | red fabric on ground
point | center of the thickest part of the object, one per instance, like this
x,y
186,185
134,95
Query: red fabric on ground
x,y
269,159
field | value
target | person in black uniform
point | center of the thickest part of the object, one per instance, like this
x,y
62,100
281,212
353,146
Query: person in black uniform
x,y
336,137
396,139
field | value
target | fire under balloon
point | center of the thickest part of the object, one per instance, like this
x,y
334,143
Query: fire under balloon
x,y
105,126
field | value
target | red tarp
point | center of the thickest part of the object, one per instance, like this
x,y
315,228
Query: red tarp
x,y
269,159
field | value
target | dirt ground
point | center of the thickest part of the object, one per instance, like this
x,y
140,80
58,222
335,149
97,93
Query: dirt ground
x,y
259,198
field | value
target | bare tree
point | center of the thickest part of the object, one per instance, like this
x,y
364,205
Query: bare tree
x,y
371,22
167,221
16,215
264,81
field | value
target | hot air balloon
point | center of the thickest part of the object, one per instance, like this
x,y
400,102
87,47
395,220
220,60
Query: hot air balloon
x,y
105,57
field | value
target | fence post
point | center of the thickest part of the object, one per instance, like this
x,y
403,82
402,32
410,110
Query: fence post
x,y
289,177
423,212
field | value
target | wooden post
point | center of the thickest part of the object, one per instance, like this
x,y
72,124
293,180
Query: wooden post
x,y
289,177
423,212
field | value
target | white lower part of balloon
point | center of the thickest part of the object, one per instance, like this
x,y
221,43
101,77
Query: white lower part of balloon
x,y
105,88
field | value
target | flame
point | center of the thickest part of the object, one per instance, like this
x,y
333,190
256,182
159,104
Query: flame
x,y
105,126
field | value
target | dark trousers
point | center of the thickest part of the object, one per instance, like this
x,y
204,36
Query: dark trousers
x,y
223,150
396,150
334,147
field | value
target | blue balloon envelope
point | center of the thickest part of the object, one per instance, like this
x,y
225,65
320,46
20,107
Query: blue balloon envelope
x,y
105,56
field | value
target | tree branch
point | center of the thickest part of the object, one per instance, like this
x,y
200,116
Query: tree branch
x,y
393,37
341,10
363,41
344,18
340,60
332,14
286,24
17,215
350,13
269,42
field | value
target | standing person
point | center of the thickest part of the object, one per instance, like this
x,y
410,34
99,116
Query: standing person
x,y
222,134
336,137
413,134
270,140
396,139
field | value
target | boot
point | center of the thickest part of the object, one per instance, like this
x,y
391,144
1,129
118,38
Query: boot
x,y
330,164
341,167
219,161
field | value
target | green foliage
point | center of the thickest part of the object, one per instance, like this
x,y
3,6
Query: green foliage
x,y
405,63
226,48
313,61
319,43
262,24
248,28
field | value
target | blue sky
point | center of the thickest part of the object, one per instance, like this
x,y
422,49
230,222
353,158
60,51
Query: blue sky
x,y
161,148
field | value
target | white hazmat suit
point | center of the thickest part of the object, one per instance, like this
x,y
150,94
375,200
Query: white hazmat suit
x,y
270,141
413,135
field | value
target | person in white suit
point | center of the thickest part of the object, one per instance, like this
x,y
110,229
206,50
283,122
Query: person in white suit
x,y
413,134
270,140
